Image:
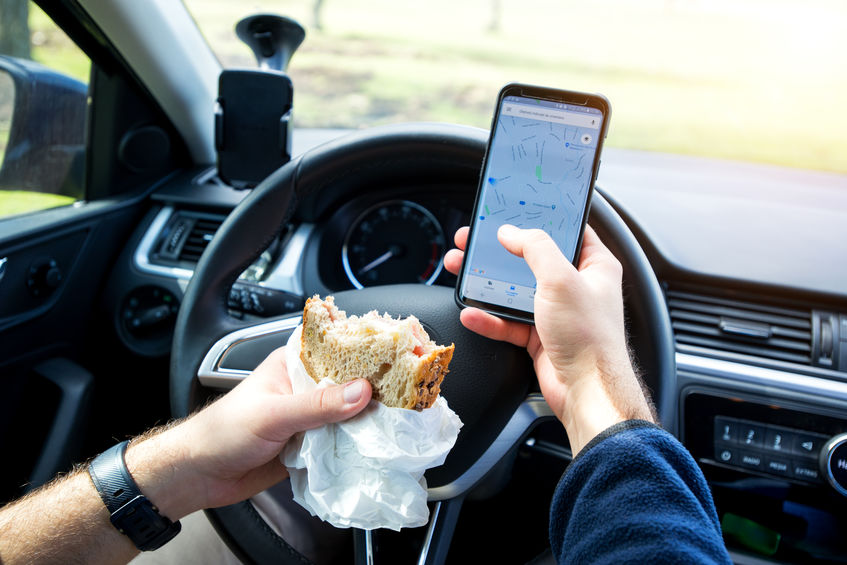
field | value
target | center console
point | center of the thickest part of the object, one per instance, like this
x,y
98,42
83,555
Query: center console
x,y
775,455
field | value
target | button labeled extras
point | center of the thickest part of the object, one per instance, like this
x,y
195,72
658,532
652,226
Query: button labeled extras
x,y
805,471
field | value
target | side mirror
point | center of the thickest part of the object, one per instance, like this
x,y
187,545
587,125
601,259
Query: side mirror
x,y
45,146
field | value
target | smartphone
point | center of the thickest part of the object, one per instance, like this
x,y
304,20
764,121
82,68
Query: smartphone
x,y
539,170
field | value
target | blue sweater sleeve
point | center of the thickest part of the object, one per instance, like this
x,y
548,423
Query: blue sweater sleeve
x,y
634,494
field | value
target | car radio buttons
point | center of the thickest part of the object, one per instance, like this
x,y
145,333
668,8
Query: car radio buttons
x,y
774,450
833,462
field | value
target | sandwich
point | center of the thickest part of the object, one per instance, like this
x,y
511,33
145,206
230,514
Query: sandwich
x,y
403,365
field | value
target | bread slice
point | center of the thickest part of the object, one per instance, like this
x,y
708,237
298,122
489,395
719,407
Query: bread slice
x,y
404,366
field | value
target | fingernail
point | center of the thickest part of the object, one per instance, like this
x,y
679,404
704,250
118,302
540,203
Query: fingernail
x,y
353,392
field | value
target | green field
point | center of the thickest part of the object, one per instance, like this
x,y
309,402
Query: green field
x,y
751,80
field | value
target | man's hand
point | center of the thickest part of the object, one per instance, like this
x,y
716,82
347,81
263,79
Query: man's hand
x,y
578,344
229,451
225,453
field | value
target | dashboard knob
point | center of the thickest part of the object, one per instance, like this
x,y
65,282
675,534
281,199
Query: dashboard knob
x,y
833,461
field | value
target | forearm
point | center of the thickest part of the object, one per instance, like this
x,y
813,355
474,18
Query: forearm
x,y
634,494
67,522
612,394
63,522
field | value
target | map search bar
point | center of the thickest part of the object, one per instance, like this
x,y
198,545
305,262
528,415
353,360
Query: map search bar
x,y
552,115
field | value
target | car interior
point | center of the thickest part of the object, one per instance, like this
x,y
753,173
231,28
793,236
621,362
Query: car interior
x,y
164,216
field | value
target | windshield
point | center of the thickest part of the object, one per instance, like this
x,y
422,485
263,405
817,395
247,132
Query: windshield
x,y
753,80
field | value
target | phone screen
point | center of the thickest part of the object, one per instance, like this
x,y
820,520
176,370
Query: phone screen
x,y
538,173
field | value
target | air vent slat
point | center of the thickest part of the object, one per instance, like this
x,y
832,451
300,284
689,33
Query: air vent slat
x,y
745,349
749,328
743,314
202,232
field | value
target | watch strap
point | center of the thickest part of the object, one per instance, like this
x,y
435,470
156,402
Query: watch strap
x,y
129,510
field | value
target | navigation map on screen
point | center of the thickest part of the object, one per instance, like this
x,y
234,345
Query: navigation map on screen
x,y
538,175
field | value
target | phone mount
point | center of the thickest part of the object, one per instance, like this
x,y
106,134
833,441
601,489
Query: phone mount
x,y
253,118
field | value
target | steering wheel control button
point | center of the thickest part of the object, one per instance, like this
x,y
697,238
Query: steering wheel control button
x,y
253,299
833,463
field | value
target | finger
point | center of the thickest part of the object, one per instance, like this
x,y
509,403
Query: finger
x,y
461,237
453,261
538,249
321,406
595,253
493,327
592,245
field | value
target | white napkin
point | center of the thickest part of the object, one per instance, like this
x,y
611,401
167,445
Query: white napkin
x,y
367,472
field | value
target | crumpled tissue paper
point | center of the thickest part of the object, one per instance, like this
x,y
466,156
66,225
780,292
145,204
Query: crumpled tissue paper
x,y
367,472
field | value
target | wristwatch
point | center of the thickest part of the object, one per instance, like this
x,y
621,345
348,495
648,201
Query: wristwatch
x,y
130,511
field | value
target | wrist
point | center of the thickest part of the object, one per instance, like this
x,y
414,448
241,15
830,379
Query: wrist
x,y
587,411
161,468
603,397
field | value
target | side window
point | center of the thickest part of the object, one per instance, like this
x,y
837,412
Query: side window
x,y
43,102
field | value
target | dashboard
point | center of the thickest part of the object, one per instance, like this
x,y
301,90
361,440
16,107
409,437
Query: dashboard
x,y
761,342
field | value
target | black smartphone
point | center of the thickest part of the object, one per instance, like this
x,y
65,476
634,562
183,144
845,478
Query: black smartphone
x,y
539,170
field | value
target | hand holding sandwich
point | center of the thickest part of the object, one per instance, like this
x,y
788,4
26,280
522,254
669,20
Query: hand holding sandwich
x,y
578,344
221,455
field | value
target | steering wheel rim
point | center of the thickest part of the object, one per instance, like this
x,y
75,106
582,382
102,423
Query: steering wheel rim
x,y
389,154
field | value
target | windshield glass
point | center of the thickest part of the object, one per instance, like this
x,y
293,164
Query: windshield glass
x,y
753,80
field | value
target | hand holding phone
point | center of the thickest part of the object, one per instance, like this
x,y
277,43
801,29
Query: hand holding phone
x,y
539,171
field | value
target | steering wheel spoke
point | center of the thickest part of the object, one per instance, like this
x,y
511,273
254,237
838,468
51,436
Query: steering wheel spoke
x,y
235,355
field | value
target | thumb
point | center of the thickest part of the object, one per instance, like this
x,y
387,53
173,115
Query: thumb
x,y
325,405
538,249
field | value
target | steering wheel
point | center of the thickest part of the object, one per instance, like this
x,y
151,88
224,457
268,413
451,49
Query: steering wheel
x,y
489,385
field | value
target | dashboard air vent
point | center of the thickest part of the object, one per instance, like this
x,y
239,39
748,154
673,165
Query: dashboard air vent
x,y
185,237
742,327
198,238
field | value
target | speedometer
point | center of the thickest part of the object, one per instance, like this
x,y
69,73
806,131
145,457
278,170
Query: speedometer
x,y
393,242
